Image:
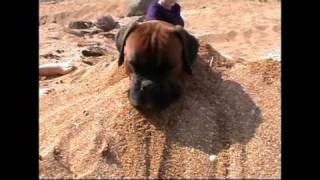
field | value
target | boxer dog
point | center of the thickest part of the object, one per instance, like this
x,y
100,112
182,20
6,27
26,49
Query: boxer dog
x,y
156,55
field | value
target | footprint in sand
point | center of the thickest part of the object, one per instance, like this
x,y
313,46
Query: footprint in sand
x,y
248,33
276,28
220,38
261,27
232,35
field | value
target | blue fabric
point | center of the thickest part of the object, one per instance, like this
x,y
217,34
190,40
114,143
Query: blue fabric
x,y
157,12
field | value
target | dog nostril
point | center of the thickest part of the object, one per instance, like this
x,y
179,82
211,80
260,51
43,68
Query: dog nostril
x,y
146,84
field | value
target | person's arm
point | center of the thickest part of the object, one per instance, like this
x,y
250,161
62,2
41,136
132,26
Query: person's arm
x,y
152,12
177,11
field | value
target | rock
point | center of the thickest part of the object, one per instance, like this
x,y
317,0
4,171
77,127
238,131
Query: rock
x,y
212,157
93,51
80,25
138,7
106,23
50,56
86,113
59,51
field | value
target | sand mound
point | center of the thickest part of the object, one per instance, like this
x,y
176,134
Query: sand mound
x,y
91,130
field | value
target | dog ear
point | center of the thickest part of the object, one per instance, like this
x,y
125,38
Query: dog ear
x,y
190,48
121,38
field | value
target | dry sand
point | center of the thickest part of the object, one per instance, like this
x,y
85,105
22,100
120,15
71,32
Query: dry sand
x,y
229,110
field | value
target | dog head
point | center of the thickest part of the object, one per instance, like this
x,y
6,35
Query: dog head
x,y
156,56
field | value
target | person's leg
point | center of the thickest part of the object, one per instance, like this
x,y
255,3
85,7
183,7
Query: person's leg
x,y
55,69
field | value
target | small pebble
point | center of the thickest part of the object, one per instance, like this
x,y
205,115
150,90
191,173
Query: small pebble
x,y
212,157
86,113
59,51
76,124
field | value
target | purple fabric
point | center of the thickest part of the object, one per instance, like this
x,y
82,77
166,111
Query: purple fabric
x,y
157,12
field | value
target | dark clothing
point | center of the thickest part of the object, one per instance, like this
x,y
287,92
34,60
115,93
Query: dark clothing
x,y
157,12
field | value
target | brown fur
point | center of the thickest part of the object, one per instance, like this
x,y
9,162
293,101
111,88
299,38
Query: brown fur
x,y
156,55
159,39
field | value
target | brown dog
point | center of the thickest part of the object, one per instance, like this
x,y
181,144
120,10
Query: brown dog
x,y
156,55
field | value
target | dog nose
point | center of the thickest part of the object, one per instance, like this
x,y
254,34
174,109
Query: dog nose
x,y
146,84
